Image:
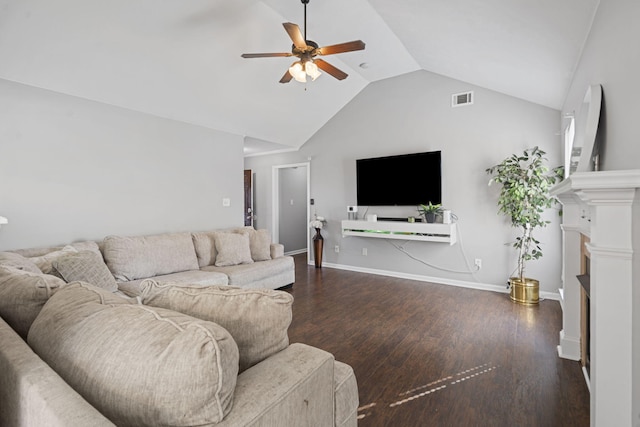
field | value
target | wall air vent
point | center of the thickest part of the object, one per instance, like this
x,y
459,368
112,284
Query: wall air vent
x,y
460,99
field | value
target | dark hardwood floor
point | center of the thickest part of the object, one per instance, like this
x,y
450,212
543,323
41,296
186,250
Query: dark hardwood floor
x,y
437,355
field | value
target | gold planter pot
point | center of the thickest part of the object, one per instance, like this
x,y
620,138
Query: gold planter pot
x,y
524,292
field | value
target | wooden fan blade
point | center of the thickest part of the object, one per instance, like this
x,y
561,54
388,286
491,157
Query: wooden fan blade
x,y
330,69
286,78
340,48
296,35
264,55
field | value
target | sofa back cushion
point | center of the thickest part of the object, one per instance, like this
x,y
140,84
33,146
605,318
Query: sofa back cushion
x,y
22,296
257,319
12,259
131,258
137,365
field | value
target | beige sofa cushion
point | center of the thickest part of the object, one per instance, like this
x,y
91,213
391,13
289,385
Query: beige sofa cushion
x,y
136,364
259,243
258,319
85,266
32,394
205,246
192,277
246,274
346,395
22,295
131,258
44,261
12,259
232,249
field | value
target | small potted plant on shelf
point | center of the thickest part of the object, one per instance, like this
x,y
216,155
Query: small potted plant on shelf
x,y
430,211
523,198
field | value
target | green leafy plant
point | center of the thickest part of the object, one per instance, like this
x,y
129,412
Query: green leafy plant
x,y
524,196
430,211
424,209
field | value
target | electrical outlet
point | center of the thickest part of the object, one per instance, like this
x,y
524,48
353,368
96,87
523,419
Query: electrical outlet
x,y
337,248
478,263
364,251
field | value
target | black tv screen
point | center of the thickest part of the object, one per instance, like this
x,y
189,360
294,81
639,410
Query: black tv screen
x,y
406,180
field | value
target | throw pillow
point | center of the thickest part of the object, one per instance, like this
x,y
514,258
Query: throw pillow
x,y
259,243
85,266
44,262
205,246
12,259
22,296
233,249
257,319
138,365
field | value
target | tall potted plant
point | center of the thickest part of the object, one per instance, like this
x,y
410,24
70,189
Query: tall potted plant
x,y
524,196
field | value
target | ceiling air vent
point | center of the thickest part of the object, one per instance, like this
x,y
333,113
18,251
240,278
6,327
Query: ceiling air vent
x,y
460,99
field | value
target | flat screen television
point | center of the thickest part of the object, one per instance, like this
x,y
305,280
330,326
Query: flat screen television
x,y
405,180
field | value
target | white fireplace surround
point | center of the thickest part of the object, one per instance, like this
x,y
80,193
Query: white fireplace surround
x,y
604,206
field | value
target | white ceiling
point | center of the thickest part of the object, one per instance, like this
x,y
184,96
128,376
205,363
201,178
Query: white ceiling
x,y
180,59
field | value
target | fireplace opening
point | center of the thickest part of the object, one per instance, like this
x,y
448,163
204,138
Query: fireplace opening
x,y
585,305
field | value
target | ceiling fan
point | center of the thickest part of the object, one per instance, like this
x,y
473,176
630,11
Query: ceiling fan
x,y
307,51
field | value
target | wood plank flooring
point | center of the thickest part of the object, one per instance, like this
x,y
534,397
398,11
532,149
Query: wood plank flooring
x,y
437,355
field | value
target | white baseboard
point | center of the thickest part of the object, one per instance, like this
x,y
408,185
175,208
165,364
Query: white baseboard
x,y
296,252
439,280
569,347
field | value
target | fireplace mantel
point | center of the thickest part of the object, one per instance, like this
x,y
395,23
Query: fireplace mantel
x,y
604,206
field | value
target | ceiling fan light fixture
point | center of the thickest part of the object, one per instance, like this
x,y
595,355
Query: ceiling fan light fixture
x,y
312,69
297,71
306,50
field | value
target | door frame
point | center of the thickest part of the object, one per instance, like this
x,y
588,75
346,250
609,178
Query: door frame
x,y
275,199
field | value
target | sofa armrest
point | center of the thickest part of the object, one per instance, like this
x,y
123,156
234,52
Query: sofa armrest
x,y
291,388
277,250
33,394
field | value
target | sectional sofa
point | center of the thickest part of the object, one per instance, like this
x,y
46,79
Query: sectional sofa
x,y
151,331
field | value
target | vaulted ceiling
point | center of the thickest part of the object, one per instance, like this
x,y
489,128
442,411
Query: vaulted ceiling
x,y
180,59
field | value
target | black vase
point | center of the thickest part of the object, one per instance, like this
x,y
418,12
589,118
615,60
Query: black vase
x,y
318,243
430,217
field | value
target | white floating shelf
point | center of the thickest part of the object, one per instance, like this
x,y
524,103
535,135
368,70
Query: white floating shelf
x,y
443,233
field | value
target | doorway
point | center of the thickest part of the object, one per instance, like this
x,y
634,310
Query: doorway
x,y
248,197
290,205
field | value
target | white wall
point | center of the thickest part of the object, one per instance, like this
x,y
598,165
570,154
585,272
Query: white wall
x,y
73,169
412,113
293,208
611,58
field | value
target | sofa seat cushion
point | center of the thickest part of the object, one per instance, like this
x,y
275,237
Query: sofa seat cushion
x,y
257,319
22,296
192,277
245,274
137,365
140,257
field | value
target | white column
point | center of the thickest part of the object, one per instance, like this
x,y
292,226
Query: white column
x,y
569,347
613,206
611,306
